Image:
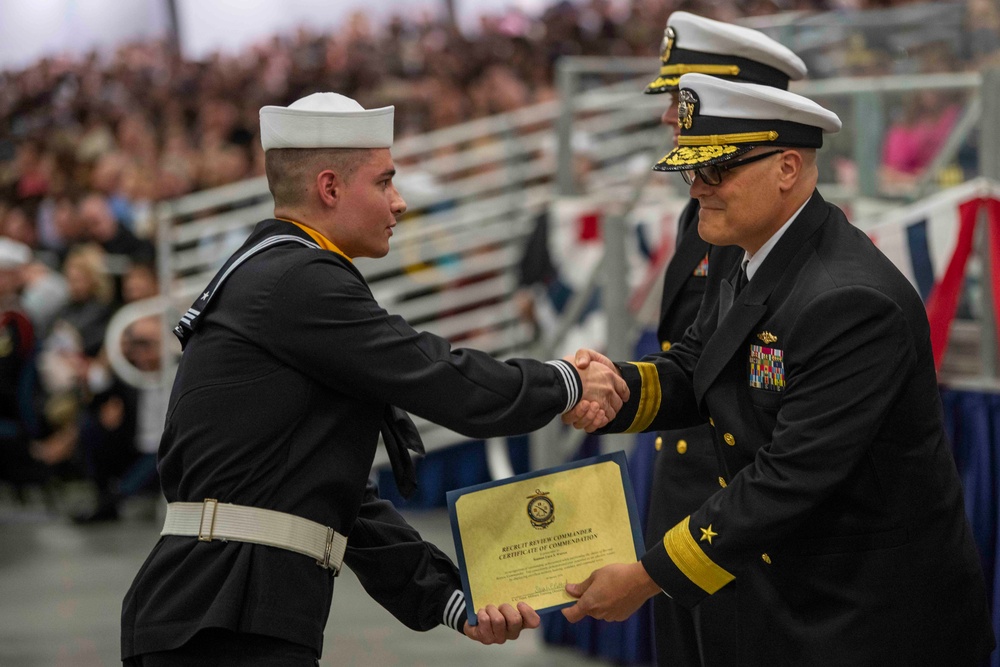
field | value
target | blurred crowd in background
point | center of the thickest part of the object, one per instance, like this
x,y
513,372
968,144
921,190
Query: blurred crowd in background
x,y
89,145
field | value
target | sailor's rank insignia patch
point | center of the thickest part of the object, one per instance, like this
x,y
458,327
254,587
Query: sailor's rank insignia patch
x,y
767,368
702,269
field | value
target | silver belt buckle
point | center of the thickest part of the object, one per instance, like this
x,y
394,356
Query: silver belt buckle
x,y
324,562
208,508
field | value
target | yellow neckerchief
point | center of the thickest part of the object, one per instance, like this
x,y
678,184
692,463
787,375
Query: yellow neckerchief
x,y
324,243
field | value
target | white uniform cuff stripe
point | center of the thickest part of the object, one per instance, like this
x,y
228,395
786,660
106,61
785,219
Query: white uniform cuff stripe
x,y
569,377
454,610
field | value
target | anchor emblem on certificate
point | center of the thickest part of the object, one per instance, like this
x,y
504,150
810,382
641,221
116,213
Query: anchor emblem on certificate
x,y
541,509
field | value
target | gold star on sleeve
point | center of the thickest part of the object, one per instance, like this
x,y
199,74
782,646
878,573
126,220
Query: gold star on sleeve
x,y
692,560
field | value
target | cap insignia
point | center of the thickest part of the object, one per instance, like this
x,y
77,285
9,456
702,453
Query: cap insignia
x,y
667,44
686,108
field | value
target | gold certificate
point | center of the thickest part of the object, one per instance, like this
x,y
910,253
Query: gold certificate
x,y
526,537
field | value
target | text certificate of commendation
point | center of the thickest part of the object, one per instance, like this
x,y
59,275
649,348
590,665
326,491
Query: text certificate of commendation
x,y
525,537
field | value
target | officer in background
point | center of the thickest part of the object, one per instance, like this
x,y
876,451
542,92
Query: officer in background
x,y
840,517
290,371
686,465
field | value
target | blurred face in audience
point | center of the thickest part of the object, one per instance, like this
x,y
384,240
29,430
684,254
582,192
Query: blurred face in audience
x,y
135,185
107,173
86,275
96,217
139,282
175,177
141,343
78,280
66,221
16,224
10,283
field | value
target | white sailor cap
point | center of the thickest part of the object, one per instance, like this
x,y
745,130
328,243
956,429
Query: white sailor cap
x,y
325,120
13,254
695,44
720,120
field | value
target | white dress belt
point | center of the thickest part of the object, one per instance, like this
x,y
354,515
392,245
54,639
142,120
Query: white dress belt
x,y
211,520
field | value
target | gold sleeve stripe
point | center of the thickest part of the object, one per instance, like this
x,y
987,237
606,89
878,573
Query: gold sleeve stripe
x,y
715,70
649,398
722,139
692,561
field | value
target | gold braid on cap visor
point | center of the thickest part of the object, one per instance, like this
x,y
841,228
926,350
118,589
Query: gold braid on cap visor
x,y
714,70
723,139
670,75
702,150
700,155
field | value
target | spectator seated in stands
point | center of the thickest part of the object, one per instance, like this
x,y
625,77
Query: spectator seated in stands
x,y
139,282
912,142
915,138
104,229
18,423
120,430
71,349
91,296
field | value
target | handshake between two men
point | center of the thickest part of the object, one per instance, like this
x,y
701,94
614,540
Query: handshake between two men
x,y
604,391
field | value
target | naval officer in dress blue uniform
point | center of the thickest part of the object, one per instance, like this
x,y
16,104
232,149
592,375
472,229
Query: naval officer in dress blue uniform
x,y
839,517
686,467
290,372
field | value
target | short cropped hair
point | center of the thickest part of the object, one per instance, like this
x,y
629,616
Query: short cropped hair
x,y
288,170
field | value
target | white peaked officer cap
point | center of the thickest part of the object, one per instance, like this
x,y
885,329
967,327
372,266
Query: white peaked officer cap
x,y
13,254
720,120
693,44
325,120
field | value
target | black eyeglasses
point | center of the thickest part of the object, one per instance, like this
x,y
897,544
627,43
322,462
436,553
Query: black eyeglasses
x,y
712,174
